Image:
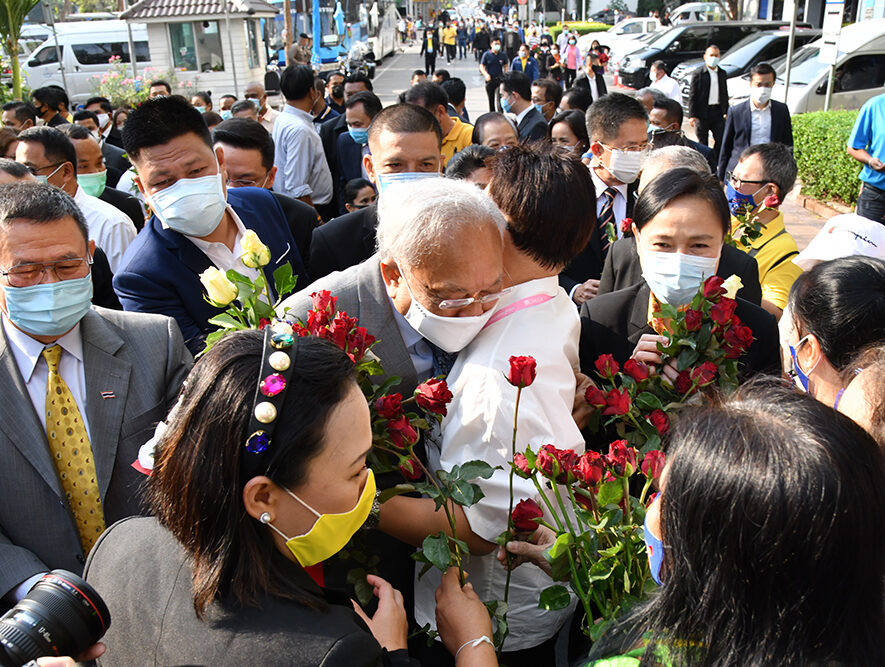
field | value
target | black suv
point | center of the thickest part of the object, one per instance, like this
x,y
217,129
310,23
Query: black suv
x,y
687,41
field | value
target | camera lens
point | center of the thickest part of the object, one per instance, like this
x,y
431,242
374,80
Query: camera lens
x,y
61,615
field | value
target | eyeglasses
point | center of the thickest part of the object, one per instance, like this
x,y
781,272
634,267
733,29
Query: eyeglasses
x,y
34,170
739,182
246,183
636,148
25,275
454,304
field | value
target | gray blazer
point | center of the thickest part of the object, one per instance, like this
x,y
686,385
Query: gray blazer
x,y
138,361
362,294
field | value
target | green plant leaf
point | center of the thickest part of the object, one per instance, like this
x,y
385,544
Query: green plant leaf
x,y
283,280
610,493
436,550
554,598
465,493
686,359
646,401
474,469
225,321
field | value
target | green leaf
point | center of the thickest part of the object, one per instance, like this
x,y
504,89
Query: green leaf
x,y
465,493
687,342
686,359
283,280
596,631
646,401
559,547
225,321
236,277
610,493
554,598
436,550
474,469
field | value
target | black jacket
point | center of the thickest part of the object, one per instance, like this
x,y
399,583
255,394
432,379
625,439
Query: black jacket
x,y
533,126
103,293
437,42
738,127
699,92
302,219
114,138
115,158
329,133
126,203
583,81
622,269
343,242
613,323
144,577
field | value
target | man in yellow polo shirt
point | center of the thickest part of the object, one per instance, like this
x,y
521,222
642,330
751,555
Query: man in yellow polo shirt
x,y
763,170
457,134
450,39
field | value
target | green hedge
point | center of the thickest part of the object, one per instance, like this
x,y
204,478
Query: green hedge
x,y
581,26
825,168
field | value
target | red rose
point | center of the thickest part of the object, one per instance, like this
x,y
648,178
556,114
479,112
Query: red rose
x,y
317,321
390,406
263,322
653,464
324,302
401,432
567,458
590,468
660,421
340,328
693,319
521,466
433,396
621,458
617,402
737,339
595,397
683,382
627,226
410,469
636,370
547,462
584,501
722,312
522,371
704,374
771,201
606,366
525,514
358,342
713,288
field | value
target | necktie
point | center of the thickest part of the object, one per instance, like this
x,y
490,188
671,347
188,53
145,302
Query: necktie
x,y
606,216
442,360
72,453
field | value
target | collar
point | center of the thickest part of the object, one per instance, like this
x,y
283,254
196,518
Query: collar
x,y
298,113
755,109
27,351
548,286
601,186
523,114
79,195
241,229
410,337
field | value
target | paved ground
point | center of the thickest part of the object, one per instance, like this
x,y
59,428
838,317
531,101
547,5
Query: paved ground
x,y
392,77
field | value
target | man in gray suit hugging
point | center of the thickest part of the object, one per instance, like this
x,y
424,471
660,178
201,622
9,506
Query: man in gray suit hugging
x,y
83,388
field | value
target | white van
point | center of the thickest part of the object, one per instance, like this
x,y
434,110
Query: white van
x,y
86,47
860,72
697,11
628,29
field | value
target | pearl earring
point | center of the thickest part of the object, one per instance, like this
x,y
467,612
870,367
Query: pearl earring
x,y
265,517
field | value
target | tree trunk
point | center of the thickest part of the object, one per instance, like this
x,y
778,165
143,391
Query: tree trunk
x,y
16,70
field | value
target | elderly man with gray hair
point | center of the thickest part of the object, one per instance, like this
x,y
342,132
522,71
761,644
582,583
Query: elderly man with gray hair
x,y
622,269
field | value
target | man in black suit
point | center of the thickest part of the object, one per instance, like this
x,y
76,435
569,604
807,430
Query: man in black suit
x,y
665,129
708,99
114,157
616,125
249,162
759,120
359,110
591,78
516,98
404,139
104,112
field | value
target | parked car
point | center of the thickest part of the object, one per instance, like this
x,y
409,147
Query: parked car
x,y
753,49
626,30
697,11
687,42
608,16
860,72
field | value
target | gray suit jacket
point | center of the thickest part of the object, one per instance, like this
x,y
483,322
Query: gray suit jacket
x,y
362,294
142,361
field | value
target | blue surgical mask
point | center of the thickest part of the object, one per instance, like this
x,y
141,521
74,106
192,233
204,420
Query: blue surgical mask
x,y
675,278
505,104
191,206
45,179
201,109
359,134
540,108
385,180
799,375
49,309
226,114
738,202
655,548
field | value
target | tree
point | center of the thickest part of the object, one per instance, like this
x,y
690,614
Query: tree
x,y
12,17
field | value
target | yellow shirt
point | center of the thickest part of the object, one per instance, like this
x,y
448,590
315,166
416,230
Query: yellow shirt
x,y
459,138
450,35
774,252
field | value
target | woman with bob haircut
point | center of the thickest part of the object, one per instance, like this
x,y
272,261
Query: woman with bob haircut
x,y
568,131
679,221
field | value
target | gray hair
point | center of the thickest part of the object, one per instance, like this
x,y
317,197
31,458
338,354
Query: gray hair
x,y
654,92
420,218
14,169
677,156
38,203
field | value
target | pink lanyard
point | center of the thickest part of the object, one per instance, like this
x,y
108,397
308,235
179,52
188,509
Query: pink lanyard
x,y
516,306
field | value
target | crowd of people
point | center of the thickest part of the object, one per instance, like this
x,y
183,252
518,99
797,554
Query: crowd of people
x,y
552,226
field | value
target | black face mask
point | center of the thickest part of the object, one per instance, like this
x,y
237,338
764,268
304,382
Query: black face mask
x,y
337,92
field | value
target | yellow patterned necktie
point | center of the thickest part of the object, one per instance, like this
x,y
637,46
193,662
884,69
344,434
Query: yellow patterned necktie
x,y
72,453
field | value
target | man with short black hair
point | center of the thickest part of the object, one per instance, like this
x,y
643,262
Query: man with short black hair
x,y
418,76
546,96
456,134
661,81
576,99
353,145
516,98
591,77
114,157
493,64
301,165
19,116
759,120
104,112
196,223
157,88
321,111
665,129
48,101
440,75
225,102
708,99
335,92
456,92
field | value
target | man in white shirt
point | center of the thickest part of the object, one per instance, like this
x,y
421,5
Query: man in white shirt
x,y
51,157
708,99
660,80
302,171
267,115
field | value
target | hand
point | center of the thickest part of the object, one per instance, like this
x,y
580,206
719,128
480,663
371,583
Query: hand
x,y
581,410
876,164
91,653
389,625
460,614
531,551
488,78
585,291
693,122
647,352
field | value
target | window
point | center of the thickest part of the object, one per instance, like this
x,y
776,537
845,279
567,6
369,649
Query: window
x,y
184,50
861,73
727,36
252,43
694,39
631,29
142,52
46,56
209,46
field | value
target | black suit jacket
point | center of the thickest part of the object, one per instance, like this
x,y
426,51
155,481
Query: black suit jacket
x,y
590,261
350,162
533,126
329,133
613,323
622,269
126,203
738,127
114,138
302,219
115,157
699,92
343,242
583,81
103,293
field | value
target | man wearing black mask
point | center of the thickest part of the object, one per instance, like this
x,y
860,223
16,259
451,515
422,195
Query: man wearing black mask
x,y
665,129
335,92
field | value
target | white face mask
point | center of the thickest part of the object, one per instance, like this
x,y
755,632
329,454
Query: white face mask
x,y
451,334
760,95
675,278
625,165
191,206
103,119
712,61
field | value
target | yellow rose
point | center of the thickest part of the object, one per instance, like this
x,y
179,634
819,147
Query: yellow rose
x,y
219,289
731,285
255,253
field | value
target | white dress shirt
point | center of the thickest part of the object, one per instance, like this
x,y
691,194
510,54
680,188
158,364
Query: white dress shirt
x,y
594,90
479,425
223,257
416,345
300,161
760,124
110,228
522,114
670,87
713,99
